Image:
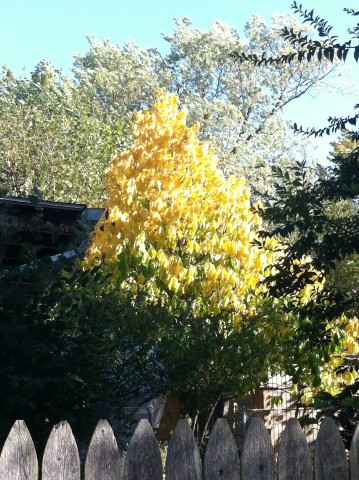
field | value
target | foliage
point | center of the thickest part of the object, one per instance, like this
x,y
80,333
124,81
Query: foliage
x,y
320,218
307,217
239,112
179,242
344,276
52,138
304,47
301,209
306,213
343,407
57,344
174,228
59,133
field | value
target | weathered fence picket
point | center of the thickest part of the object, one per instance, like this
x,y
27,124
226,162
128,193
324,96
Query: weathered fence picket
x,y
221,459
103,461
183,458
258,459
143,459
294,461
330,457
61,459
18,459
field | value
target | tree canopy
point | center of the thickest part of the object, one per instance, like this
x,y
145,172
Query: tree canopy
x,y
239,111
180,241
59,132
52,139
173,226
319,217
307,213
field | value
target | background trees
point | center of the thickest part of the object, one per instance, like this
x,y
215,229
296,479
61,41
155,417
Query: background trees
x,y
59,133
239,110
52,139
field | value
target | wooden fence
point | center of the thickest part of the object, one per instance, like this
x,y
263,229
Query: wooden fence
x,y
61,461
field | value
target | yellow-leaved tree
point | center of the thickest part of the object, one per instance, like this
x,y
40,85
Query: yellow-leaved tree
x,y
179,242
174,227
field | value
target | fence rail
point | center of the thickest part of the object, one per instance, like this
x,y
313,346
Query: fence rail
x,y
18,460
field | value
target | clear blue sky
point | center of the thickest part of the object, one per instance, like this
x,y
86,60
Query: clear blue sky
x,y
31,30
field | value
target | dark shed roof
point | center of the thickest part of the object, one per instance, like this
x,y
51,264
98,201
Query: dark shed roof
x,y
45,228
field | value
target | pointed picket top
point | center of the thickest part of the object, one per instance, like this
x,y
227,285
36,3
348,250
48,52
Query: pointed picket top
x,y
354,455
18,460
143,459
183,457
294,460
61,458
221,460
257,461
103,457
330,458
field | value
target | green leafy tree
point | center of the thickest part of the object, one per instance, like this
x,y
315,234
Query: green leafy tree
x,y
320,218
52,139
309,210
239,112
59,348
58,134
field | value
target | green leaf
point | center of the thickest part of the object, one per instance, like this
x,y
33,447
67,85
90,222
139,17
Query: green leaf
x,y
317,381
350,402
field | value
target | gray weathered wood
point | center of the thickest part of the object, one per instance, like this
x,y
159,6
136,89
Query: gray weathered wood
x,y
61,458
18,459
143,459
354,455
183,459
294,461
103,457
330,458
221,460
257,461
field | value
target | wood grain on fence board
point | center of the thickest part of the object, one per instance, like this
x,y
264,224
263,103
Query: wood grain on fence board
x,y
354,455
221,460
294,460
143,459
183,460
103,460
257,461
61,458
18,459
330,457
